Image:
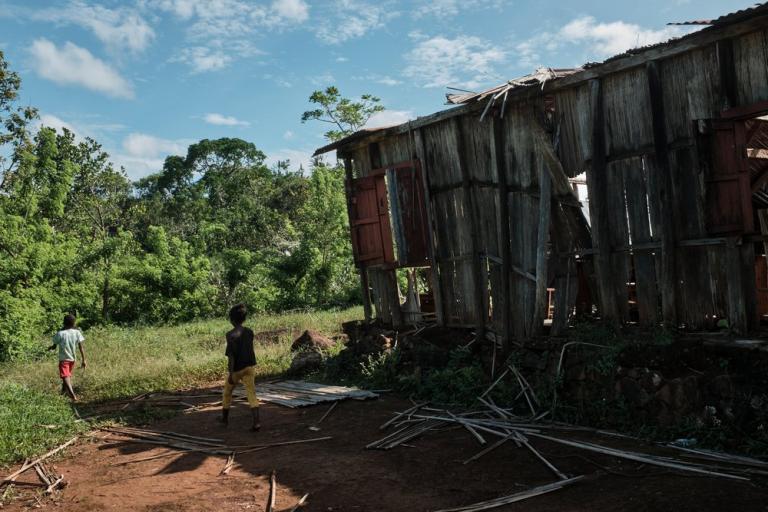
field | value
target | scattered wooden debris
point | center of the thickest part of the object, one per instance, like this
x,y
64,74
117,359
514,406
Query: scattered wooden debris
x,y
300,503
520,496
296,393
228,466
272,492
27,465
289,393
504,424
189,443
330,409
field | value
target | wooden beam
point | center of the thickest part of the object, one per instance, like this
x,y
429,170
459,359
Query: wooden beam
x,y
432,245
663,183
469,206
545,209
598,208
498,139
727,69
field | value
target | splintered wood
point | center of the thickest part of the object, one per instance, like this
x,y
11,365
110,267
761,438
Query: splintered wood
x,y
507,426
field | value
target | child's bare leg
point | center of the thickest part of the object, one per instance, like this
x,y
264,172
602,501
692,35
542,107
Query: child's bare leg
x,y
67,383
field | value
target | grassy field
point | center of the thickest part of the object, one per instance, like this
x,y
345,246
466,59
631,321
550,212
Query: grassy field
x,y
123,362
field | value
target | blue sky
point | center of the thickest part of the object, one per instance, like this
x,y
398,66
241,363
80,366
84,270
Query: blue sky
x,y
148,77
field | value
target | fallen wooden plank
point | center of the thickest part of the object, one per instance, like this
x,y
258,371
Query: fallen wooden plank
x,y
401,414
646,459
272,491
10,478
300,503
54,485
330,409
489,448
229,464
490,388
520,496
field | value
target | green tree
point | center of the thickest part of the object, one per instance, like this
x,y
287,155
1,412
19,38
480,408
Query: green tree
x,y
346,115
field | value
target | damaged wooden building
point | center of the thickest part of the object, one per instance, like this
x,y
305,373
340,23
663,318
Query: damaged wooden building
x,y
634,190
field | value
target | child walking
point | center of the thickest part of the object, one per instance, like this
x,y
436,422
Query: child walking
x,y
241,365
68,339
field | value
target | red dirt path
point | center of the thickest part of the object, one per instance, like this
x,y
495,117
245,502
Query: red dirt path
x,y
340,475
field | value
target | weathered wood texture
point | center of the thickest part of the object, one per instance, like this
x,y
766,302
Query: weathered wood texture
x,y
636,131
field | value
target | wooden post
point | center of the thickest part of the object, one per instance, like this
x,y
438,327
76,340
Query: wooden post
x,y
737,311
365,288
545,197
663,181
598,208
498,138
432,245
469,207
727,68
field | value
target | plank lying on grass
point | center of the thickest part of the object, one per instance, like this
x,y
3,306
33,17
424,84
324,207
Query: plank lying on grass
x,y
520,496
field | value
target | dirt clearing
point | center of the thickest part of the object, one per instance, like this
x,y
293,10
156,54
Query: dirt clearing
x,y
340,475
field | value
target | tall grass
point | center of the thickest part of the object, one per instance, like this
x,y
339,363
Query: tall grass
x,y
125,361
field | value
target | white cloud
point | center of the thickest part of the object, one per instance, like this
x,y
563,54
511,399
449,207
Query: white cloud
x,y
449,8
466,61
322,80
351,19
220,31
280,81
148,146
288,135
120,28
222,120
378,79
57,124
607,39
73,65
296,11
143,154
389,118
341,59
296,157
598,39
202,59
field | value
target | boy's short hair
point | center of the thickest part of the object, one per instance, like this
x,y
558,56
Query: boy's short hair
x,y
238,313
69,321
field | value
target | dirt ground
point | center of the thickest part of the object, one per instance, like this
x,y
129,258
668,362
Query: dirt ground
x,y
340,475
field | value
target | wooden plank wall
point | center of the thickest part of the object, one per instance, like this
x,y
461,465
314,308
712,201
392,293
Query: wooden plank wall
x,y
651,192
647,186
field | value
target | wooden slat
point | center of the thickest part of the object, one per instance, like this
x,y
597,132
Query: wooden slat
x,y
545,185
499,140
437,287
661,190
469,209
636,190
599,214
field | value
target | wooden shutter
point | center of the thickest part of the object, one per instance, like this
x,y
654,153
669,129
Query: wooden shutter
x,y
728,192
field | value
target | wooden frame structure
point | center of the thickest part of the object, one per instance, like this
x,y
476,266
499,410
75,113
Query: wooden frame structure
x,y
504,222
